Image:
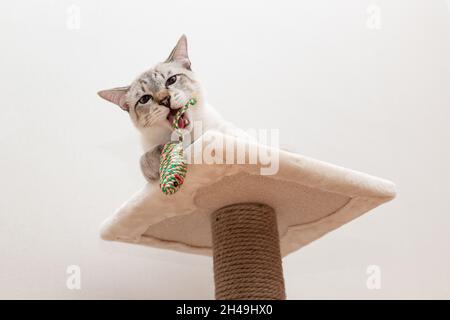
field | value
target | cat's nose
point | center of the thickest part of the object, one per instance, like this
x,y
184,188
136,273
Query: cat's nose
x,y
165,101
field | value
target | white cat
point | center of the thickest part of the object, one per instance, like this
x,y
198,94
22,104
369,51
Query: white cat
x,y
153,99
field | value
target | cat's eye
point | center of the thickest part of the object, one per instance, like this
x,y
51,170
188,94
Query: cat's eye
x,y
145,98
171,80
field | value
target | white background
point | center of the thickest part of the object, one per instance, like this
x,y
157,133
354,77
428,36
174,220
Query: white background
x,y
373,100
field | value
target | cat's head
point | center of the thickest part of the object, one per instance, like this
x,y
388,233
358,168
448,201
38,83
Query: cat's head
x,y
155,96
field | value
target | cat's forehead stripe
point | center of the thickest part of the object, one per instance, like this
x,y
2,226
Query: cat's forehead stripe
x,y
143,84
146,82
158,73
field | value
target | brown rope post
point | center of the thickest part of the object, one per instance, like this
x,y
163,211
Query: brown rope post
x,y
246,253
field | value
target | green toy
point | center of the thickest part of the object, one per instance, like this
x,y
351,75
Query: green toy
x,y
173,166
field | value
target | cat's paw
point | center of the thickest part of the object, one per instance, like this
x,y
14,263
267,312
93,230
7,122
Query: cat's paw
x,y
150,162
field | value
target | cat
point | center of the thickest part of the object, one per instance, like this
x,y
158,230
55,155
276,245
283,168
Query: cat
x,y
153,99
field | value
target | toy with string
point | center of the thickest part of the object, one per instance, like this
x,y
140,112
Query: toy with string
x,y
173,166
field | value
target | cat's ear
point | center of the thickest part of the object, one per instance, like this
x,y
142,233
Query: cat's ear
x,y
116,96
180,53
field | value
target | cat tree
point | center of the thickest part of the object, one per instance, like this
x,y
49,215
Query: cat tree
x,y
245,220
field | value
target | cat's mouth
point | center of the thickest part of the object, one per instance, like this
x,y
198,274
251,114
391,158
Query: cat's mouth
x,y
183,121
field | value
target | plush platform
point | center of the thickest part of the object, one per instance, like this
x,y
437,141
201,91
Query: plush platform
x,y
310,197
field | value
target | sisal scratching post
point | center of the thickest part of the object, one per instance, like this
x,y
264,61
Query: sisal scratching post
x,y
246,253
